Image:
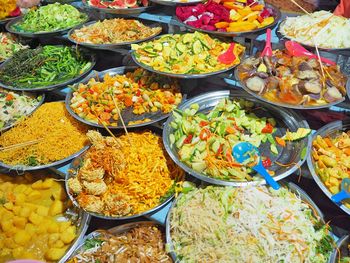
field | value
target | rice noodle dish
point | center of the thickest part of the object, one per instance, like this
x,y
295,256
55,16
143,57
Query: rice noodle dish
x,y
322,27
249,224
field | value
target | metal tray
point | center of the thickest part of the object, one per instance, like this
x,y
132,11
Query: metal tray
x,y
114,231
293,188
182,76
342,244
118,11
88,55
286,119
72,172
127,113
286,105
38,34
331,129
11,123
7,19
111,46
283,37
277,16
79,217
176,2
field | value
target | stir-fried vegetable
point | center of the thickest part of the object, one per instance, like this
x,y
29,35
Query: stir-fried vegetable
x,y
146,92
191,53
44,66
50,18
332,160
9,45
247,224
204,141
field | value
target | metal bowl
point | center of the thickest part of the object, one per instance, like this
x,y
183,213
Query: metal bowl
x,y
31,95
277,16
182,76
294,153
331,129
176,2
286,105
45,34
73,171
114,231
110,46
283,37
342,244
127,114
118,11
88,55
293,188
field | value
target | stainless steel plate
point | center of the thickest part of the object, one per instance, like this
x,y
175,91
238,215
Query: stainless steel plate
x,y
87,54
292,187
110,46
176,2
183,76
294,153
282,37
6,20
114,231
9,28
277,16
342,244
31,95
127,113
332,129
118,11
286,105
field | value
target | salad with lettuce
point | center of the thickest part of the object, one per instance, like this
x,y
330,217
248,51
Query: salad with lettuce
x,y
9,45
50,18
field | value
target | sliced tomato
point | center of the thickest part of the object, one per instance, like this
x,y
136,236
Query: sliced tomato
x,y
188,139
204,134
267,129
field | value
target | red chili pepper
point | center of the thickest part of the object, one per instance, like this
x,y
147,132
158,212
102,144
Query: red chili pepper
x,y
138,93
204,134
219,151
266,163
267,129
203,123
188,139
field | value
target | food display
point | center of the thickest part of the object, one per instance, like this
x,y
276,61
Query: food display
x,y
44,67
227,15
15,106
124,176
292,81
143,241
35,222
250,224
321,28
114,31
331,156
190,53
117,4
98,101
50,134
49,18
9,9
9,45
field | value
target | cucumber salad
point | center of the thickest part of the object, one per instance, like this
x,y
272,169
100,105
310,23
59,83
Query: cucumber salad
x,y
204,141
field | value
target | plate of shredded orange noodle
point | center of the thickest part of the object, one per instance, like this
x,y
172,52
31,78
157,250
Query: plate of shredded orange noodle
x,y
123,177
49,137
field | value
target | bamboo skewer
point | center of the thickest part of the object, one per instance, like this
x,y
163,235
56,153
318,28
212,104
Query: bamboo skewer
x,y
319,59
19,145
302,8
121,118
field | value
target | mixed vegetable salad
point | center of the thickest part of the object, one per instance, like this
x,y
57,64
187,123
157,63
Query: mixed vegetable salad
x,y
247,224
50,18
44,66
190,53
227,15
9,45
98,101
204,140
14,106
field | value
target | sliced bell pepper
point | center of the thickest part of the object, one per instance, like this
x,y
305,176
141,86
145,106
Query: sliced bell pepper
x,y
203,123
267,129
280,141
222,24
230,130
204,134
257,7
188,139
219,151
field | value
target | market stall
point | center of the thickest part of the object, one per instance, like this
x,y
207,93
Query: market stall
x,y
174,131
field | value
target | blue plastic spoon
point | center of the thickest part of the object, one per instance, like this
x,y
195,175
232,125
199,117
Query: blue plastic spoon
x,y
244,150
344,193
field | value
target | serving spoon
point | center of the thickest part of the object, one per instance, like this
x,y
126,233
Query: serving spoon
x,y
344,193
245,150
267,49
